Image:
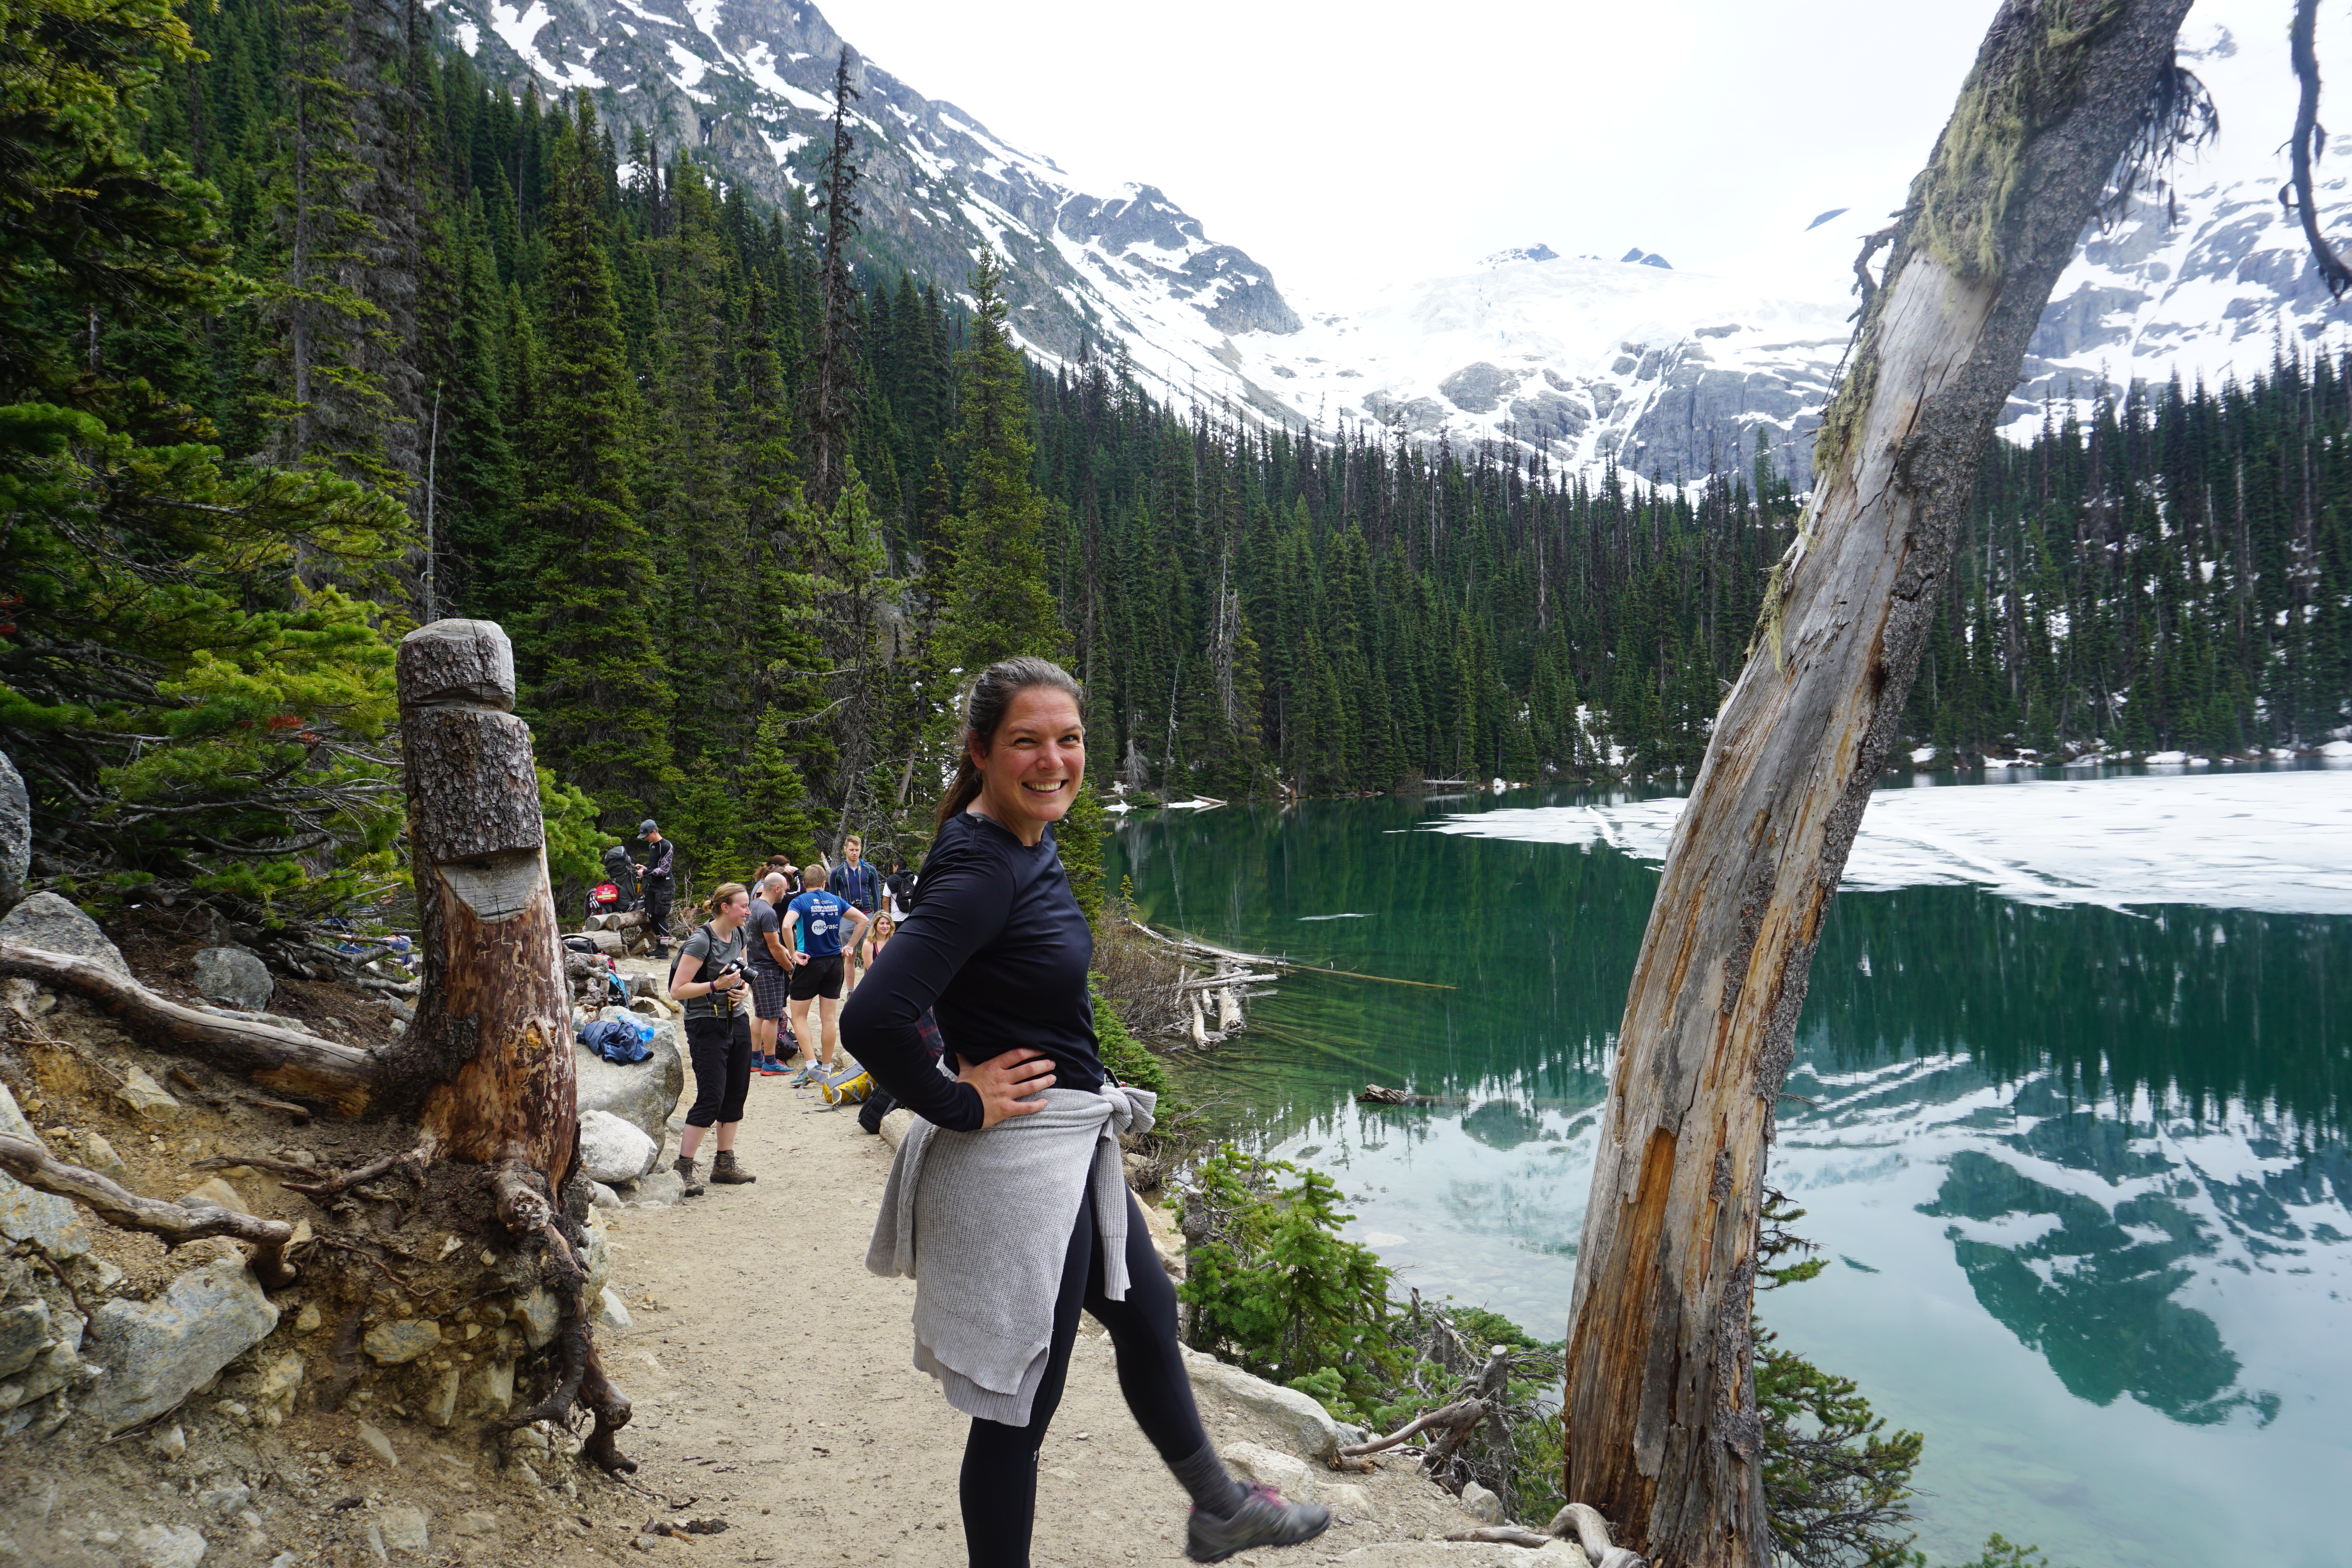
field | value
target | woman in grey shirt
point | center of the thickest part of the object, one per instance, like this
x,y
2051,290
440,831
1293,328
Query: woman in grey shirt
x,y
709,979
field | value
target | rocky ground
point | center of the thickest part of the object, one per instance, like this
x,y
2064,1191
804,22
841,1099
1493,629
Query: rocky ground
x,y
160,1411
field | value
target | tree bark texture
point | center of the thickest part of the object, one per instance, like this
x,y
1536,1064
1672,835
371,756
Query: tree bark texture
x,y
1662,1431
490,1047
342,1077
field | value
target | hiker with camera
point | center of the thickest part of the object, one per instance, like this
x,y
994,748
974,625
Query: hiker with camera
x,y
710,978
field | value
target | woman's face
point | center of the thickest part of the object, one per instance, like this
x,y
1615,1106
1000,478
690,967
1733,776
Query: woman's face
x,y
736,909
1030,773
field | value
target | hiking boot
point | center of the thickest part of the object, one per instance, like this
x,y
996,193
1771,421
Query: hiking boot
x,y
727,1173
1264,1519
685,1169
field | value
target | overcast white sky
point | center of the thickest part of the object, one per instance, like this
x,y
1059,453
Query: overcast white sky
x,y
1347,146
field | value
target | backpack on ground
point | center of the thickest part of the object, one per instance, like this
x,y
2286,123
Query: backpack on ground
x,y
878,1105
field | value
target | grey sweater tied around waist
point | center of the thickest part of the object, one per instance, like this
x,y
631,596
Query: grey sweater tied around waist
x,y
981,1222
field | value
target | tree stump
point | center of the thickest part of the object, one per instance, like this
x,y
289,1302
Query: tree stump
x,y
492,1035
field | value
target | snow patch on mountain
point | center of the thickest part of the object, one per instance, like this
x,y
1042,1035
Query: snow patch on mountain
x,y
1659,370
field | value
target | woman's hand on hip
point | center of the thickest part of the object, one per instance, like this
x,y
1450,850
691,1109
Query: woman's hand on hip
x,y
1014,1084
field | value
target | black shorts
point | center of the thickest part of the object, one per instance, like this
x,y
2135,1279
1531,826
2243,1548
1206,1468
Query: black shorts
x,y
818,977
770,987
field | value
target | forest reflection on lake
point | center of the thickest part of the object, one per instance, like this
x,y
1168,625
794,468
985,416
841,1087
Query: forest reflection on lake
x,y
2081,1168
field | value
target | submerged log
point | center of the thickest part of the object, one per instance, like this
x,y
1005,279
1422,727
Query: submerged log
x,y
1662,1426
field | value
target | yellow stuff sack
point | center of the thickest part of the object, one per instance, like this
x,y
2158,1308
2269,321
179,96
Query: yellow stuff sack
x,y
851,1088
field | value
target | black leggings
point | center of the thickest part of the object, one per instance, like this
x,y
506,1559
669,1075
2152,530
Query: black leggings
x,y
722,1068
999,1484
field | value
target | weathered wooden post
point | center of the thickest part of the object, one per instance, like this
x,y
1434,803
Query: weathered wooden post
x,y
492,1035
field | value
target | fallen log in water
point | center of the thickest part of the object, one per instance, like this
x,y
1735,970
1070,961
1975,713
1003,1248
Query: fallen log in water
x,y
1374,1094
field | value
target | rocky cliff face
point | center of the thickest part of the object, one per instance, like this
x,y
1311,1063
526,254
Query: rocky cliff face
x,y
748,85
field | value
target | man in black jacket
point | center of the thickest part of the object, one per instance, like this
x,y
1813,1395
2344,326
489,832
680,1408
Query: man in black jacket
x,y
660,854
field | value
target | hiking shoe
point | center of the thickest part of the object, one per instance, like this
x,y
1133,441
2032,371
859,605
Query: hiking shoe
x,y
1264,1519
685,1169
727,1173
771,1068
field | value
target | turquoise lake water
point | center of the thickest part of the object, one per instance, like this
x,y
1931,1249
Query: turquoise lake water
x,y
2074,1062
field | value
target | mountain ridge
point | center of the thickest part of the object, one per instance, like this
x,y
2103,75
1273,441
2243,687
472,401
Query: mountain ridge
x,y
1663,372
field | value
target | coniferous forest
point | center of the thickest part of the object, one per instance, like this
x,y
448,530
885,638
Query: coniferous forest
x,y
312,334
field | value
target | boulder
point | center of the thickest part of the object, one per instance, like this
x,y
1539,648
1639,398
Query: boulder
x,y
644,1094
612,1150
397,1340
234,978
23,1334
146,1100
1255,1462
158,1352
166,1546
57,1224
1302,1422
1481,1504
215,1192
659,1190
46,920
99,1156
895,1126
612,1312
405,1527
15,833
540,1316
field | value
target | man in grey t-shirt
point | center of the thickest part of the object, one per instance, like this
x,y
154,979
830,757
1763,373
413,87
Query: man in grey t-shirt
x,y
770,965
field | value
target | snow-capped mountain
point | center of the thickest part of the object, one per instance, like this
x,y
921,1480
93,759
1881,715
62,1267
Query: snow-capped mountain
x,y
748,84
1664,371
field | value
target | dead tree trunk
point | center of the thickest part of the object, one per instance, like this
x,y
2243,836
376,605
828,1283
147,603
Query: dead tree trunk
x,y
491,1043
1662,1431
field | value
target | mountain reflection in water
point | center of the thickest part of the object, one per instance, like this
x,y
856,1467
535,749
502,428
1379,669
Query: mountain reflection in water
x,y
2081,1170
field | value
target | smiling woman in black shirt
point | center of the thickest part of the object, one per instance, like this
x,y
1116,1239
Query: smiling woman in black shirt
x,y
996,947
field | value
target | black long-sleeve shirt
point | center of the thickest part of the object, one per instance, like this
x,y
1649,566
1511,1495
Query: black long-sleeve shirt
x,y
997,948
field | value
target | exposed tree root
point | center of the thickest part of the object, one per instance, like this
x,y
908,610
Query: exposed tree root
x,y
303,1066
1581,1520
411,1163
580,1377
31,1164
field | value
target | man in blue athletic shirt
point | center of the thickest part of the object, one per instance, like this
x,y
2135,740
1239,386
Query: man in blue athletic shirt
x,y
817,918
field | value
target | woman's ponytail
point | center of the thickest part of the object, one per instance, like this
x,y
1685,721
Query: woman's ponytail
x,y
984,703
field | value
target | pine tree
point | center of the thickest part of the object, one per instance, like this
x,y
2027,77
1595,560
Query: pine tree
x,y
997,601
598,689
